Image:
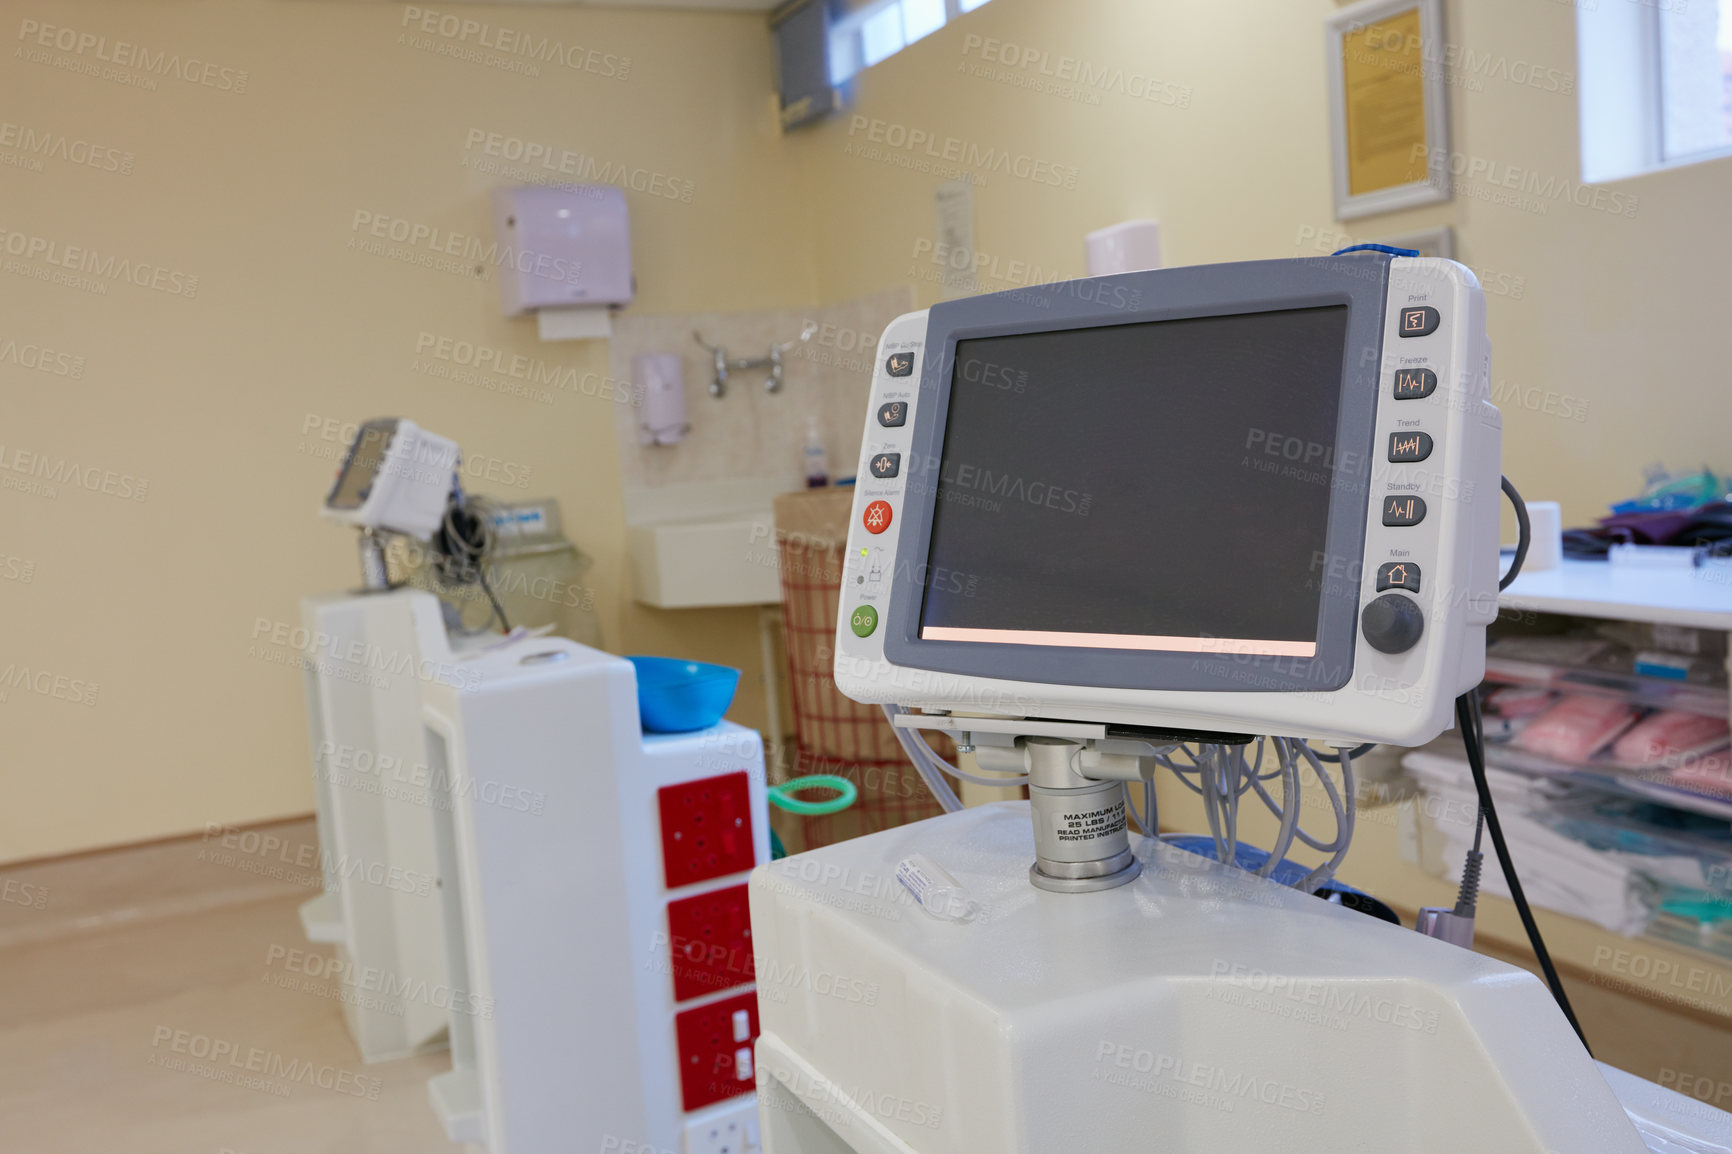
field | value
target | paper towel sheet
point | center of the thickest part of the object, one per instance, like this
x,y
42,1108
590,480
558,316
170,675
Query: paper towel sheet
x,y
578,323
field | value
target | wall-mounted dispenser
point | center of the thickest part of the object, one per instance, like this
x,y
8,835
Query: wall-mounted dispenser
x,y
1128,246
565,255
662,421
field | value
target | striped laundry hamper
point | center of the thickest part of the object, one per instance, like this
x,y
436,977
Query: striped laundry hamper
x,y
833,734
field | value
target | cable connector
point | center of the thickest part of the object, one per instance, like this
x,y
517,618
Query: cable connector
x,y
1447,925
1456,926
1469,897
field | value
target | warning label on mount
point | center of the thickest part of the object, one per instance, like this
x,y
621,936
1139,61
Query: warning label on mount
x,y
1088,824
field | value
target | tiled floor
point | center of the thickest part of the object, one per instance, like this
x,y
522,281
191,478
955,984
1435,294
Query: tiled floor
x,y
133,1035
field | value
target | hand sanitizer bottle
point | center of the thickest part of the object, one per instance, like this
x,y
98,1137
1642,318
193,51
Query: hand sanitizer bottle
x,y
817,461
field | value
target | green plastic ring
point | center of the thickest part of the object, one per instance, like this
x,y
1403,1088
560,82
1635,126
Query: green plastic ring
x,y
782,796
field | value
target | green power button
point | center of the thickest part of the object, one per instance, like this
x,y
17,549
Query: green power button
x,y
864,621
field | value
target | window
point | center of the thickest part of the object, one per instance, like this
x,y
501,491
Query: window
x,y
1655,82
1695,42
881,28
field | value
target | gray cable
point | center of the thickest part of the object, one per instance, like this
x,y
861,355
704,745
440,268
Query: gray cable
x,y
1227,769
946,797
1326,871
1288,813
915,746
1335,799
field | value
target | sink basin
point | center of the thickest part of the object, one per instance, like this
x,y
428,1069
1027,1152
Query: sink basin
x,y
695,546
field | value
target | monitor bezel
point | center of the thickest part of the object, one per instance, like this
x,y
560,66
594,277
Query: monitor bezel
x,y
1360,283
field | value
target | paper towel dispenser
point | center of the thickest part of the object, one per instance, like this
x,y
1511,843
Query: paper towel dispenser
x,y
568,246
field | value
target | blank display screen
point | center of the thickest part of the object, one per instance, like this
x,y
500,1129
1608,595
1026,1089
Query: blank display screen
x,y
1154,486
366,458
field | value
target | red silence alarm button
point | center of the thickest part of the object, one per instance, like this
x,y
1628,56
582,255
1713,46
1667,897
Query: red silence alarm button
x,y
877,517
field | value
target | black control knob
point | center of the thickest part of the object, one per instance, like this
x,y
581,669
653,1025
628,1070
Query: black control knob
x,y
1392,623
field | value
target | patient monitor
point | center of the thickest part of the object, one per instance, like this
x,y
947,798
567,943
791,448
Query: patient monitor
x,y
1111,523
395,478
1255,497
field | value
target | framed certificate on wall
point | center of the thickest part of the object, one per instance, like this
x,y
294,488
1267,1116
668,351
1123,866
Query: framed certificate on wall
x,y
1388,106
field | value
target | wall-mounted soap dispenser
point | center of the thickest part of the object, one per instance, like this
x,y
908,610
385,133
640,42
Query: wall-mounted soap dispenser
x,y
661,376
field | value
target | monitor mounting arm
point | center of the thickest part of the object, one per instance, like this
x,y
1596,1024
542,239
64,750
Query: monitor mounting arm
x,y
1076,795
1076,774
1076,787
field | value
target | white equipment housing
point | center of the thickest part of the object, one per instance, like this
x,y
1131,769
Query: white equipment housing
x,y
1358,694
364,670
395,478
1122,997
1196,1009
565,245
595,910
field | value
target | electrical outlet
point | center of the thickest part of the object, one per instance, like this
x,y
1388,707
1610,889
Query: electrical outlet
x,y
729,1129
715,1047
710,942
706,829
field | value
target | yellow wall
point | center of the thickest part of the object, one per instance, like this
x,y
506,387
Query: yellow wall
x,y
1603,325
207,396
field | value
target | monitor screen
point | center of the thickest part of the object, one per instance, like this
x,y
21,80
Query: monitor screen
x,y
1160,486
361,469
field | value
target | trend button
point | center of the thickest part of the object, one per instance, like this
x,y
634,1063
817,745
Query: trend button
x,y
1414,446
878,516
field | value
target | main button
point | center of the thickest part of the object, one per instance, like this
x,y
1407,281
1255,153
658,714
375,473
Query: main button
x,y
901,364
893,415
1398,510
1412,384
886,465
1408,447
878,516
1419,322
1398,575
863,621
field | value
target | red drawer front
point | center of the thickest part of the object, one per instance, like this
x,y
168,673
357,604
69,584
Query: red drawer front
x,y
710,943
706,829
711,1039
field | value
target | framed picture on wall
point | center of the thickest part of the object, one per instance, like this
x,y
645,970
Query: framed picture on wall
x,y
1388,106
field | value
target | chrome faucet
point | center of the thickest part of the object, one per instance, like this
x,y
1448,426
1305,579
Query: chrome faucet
x,y
771,361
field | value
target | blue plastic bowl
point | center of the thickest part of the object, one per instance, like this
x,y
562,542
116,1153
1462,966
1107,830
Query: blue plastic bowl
x,y
675,696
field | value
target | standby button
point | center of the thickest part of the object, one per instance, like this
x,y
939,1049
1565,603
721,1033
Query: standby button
x,y
1403,510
